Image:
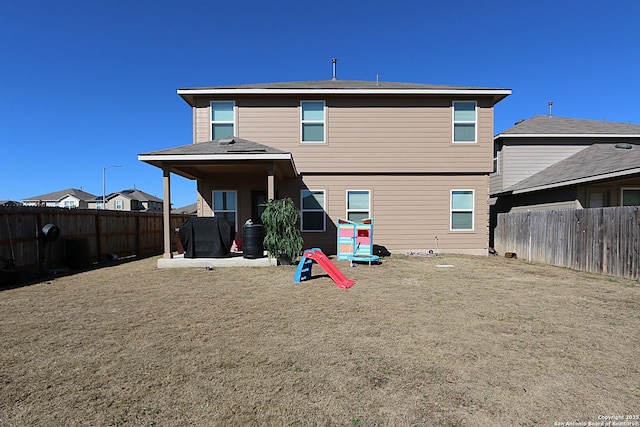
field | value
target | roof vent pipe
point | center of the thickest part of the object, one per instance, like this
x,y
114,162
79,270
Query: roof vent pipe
x,y
550,108
334,61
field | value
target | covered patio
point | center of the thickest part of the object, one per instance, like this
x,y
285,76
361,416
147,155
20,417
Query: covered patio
x,y
254,171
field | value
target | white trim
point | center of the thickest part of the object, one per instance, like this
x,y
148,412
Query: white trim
x,y
472,210
566,135
454,122
205,157
212,122
323,122
255,91
346,203
575,181
323,210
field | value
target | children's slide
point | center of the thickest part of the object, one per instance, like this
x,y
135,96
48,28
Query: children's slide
x,y
304,268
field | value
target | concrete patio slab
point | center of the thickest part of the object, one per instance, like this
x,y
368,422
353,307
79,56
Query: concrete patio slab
x,y
233,260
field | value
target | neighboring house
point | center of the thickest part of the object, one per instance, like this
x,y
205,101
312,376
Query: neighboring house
x,y
10,203
550,162
69,198
191,209
415,157
128,200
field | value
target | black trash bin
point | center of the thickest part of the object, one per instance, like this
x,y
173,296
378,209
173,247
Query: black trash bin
x,y
253,241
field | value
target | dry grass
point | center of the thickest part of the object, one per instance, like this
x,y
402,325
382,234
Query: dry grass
x,y
489,341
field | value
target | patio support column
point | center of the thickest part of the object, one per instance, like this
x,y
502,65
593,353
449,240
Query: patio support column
x,y
166,211
271,181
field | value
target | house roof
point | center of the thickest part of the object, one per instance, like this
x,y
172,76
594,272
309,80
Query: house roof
x,y
597,162
224,150
135,194
552,126
191,209
228,147
59,195
131,194
344,87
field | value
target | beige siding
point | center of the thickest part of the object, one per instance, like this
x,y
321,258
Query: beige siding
x,y
202,131
409,211
394,135
521,160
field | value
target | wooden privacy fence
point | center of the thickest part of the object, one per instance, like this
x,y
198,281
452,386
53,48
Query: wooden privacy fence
x,y
599,240
85,235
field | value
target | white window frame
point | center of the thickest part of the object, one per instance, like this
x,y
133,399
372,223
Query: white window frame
x,y
222,122
323,121
119,205
472,210
454,122
622,190
70,204
323,210
346,202
213,206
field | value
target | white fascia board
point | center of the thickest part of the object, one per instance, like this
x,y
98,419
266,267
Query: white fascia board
x,y
567,135
504,92
578,181
207,157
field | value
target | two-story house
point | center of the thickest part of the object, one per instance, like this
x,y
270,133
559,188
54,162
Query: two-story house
x,y
550,162
128,200
69,198
414,157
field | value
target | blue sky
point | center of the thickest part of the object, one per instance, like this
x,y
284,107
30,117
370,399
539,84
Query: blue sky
x,y
89,84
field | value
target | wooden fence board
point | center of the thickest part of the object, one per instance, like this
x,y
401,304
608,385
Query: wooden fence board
x,y
108,232
602,240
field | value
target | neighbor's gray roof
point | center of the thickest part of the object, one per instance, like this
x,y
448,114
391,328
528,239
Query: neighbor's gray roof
x,y
191,209
596,162
135,194
131,194
59,195
219,147
325,87
563,126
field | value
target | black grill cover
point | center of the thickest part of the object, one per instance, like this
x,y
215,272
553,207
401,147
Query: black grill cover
x,y
206,237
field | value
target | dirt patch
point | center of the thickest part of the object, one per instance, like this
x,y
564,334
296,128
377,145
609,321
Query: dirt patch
x,y
488,341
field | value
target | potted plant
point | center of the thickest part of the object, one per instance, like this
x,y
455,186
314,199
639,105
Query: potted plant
x,y
282,238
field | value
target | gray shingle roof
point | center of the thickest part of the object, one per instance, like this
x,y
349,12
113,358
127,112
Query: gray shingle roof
x,y
545,125
339,84
131,194
593,163
238,146
59,195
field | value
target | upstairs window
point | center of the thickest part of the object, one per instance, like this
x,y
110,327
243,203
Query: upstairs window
x,y
358,205
464,121
119,205
312,121
462,202
312,210
222,119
